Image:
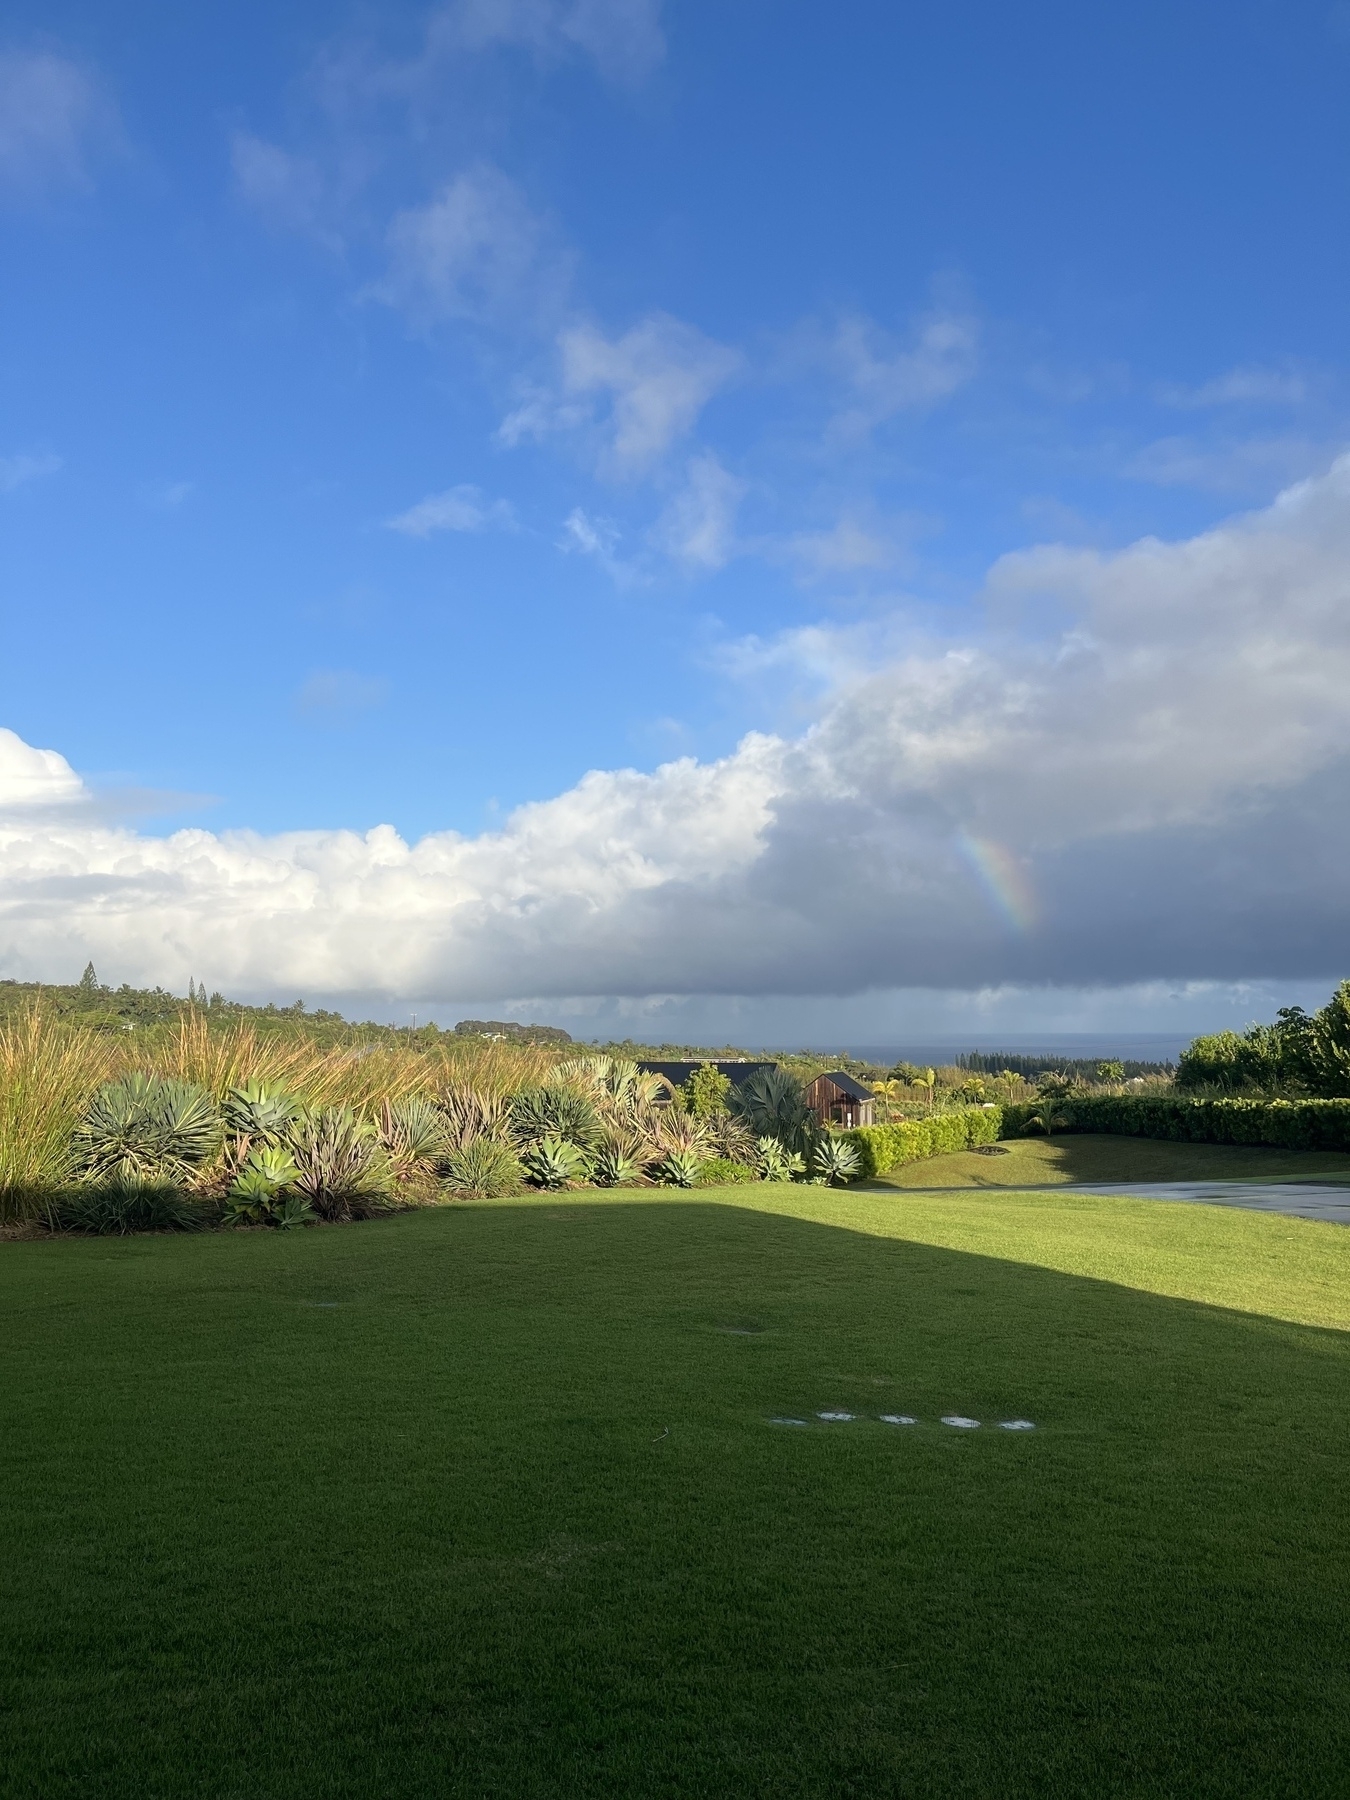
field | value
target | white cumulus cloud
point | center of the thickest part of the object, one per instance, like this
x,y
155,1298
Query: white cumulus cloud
x,y
1152,787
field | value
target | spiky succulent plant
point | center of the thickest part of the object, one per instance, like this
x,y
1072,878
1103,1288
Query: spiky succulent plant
x,y
146,1129
835,1161
551,1162
680,1168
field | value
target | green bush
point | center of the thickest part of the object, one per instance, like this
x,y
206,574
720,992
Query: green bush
x,y
1284,1124
882,1147
707,1091
721,1171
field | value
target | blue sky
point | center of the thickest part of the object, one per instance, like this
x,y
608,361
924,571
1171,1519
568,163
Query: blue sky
x,y
409,415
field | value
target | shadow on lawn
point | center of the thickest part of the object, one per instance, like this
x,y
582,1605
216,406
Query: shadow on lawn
x,y
512,1519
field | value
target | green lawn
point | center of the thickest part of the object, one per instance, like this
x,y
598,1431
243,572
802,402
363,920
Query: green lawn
x,y
1041,1162
487,1502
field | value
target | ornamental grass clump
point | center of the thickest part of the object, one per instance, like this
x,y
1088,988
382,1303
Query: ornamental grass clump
x,y
116,1207
485,1169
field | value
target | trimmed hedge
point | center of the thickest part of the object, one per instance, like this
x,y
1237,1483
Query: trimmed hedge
x,y
882,1147
1286,1124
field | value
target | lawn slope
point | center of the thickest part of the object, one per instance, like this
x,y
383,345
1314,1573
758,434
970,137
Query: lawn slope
x,y
488,1502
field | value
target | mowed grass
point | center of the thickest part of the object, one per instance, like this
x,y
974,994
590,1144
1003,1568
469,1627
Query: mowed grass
x,y
487,1501
1092,1157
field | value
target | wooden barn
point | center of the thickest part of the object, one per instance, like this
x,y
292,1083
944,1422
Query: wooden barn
x,y
837,1099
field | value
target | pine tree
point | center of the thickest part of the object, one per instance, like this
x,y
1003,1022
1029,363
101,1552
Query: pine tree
x,y
89,981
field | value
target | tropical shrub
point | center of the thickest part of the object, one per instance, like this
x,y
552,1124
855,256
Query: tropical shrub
x,y
835,1162
1285,1124
485,1169
145,1128
721,1171
1300,1053
882,1147
553,1162
342,1169
116,1206
772,1103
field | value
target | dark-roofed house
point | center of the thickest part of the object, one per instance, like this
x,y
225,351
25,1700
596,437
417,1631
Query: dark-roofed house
x,y
736,1072
837,1099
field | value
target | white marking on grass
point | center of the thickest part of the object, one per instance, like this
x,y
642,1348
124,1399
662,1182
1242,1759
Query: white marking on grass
x,y
898,1419
787,1421
960,1423
835,1418
1016,1425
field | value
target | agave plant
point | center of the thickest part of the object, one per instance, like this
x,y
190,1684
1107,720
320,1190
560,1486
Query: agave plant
x,y
484,1169
551,1162
341,1166
146,1129
614,1167
255,1194
554,1111
260,1112
835,1162
679,1169
774,1163
772,1104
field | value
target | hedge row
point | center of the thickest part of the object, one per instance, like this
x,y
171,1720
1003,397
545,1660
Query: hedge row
x,y
1288,1124
882,1147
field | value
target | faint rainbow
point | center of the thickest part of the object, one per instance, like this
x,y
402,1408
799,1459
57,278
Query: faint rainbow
x,y
1003,879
